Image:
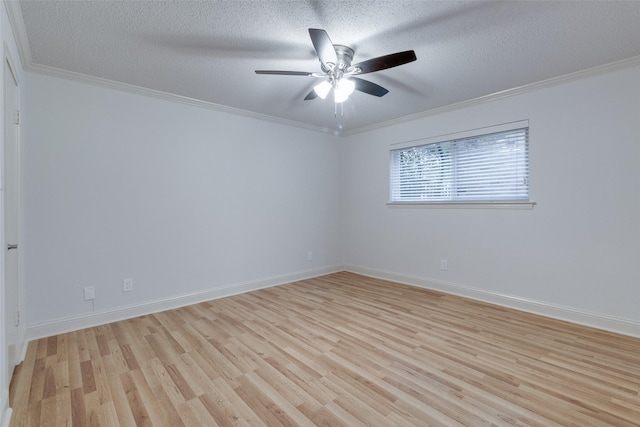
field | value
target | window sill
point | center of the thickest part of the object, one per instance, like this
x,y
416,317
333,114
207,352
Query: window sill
x,y
464,205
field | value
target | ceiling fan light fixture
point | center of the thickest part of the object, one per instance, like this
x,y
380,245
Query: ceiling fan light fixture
x,y
322,89
344,88
338,73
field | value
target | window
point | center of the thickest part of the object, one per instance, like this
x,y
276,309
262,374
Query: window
x,y
489,166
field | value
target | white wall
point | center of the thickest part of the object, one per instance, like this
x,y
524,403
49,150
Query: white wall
x,y
182,199
578,249
186,200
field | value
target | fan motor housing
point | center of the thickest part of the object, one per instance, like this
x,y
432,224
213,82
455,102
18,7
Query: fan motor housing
x,y
345,56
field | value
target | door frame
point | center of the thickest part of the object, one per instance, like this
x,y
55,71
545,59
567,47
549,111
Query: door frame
x,y
20,348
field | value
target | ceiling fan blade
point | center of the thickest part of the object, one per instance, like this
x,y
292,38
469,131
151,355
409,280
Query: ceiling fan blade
x,y
368,87
323,46
285,73
384,62
311,95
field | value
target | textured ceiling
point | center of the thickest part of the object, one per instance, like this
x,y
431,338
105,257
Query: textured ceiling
x,y
208,50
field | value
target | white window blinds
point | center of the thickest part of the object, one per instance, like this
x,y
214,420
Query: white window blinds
x,y
482,168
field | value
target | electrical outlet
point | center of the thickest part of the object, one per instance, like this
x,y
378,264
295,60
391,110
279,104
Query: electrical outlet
x,y
309,256
89,293
444,265
127,285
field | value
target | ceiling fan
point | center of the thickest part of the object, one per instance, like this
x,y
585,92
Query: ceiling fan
x,y
337,72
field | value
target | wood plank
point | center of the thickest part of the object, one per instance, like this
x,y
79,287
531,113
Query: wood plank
x,y
341,349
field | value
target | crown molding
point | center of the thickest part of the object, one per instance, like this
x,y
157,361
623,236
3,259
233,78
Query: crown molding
x,y
165,96
554,81
17,25
14,14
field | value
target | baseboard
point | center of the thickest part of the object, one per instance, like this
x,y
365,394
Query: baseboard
x,y
74,323
22,353
581,317
5,411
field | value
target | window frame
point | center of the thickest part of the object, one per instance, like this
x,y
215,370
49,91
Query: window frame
x,y
477,132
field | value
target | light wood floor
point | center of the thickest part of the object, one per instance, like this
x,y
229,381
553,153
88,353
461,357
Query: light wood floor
x,y
337,350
